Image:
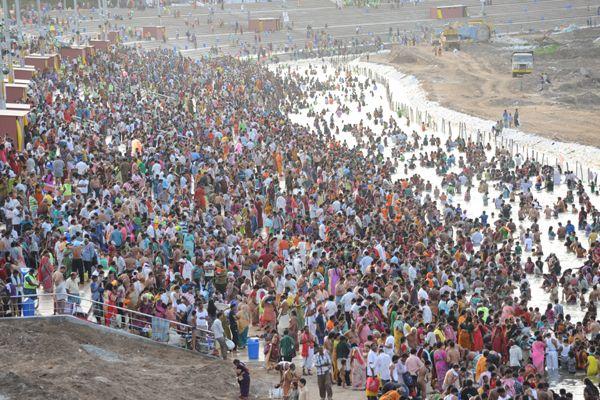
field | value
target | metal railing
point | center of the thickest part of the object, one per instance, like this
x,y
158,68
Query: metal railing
x,y
340,52
173,333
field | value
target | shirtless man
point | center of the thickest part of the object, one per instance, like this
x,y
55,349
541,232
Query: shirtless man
x,y
594,329
60,290
423,377
453,353
595,294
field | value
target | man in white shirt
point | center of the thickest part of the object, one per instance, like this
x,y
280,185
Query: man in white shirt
x,y
372,360
82,186
81,168
310,316
201,316
427,314
297,264
330,307
217,329
390,344
412,273
431,337
46,227
182,306
528,243
290,284
289,269
365,262
422,293
476,238
382,366
16,218
398,373
12,202
515,356
346,301
279,283
72,286
186,268
138,286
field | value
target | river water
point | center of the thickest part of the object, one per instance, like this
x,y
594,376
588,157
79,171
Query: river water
x,y
474,207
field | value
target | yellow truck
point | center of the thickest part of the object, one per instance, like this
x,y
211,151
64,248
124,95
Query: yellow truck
x,y
522,63
449,39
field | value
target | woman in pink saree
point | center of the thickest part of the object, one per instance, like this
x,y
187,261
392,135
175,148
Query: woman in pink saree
x,y
334,276
441,365
538,350
364,331
507,312
358,369
449,333
374,317
45,271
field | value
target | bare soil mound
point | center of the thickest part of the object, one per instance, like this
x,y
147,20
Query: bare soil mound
x,y
404,55
478,80
55,359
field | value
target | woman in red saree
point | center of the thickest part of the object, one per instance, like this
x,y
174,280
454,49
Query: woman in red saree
x,y
500,341
200,198
269,315
111,302
45,271
478,333
308,350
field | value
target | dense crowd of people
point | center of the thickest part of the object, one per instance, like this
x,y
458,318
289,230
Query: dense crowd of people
x,y
183,190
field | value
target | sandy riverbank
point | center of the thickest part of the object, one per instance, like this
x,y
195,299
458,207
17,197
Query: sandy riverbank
x,y
477,81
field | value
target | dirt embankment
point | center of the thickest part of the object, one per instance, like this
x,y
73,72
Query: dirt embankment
x,y
477,80
44,359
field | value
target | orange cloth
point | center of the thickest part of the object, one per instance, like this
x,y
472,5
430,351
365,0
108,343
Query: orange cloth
x,y
329,325
391,395
481,367
283,245
279,163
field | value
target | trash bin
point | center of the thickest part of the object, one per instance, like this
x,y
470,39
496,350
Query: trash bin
x,y
253,345
28,307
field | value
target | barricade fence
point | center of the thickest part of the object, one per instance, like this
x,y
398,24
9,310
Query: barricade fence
x,y
173,333
338,54
462,130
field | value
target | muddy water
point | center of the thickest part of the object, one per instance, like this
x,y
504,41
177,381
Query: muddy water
x,y
474,207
